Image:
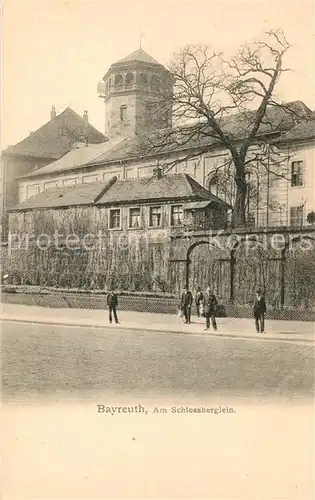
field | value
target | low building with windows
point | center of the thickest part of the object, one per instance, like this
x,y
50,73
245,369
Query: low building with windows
x,y
118,230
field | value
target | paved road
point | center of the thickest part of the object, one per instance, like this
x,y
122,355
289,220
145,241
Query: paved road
x,y
45,359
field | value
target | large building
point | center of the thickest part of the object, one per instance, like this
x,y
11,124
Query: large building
x,y
282,197
139,202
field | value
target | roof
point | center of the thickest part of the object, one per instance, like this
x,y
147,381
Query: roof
x,y
197,205
304,130
138,56
77,158
168,187
168,141
80,194
54,139
115,192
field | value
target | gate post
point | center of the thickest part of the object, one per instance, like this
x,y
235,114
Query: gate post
x,y
232,272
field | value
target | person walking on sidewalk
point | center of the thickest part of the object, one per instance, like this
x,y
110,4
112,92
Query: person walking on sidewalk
x,y
259,312
112,304
199,301
209,308
186,303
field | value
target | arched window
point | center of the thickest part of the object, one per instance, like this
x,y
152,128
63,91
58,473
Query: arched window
x,y
129,78
123,113
213,184
118,80
143,79
219,186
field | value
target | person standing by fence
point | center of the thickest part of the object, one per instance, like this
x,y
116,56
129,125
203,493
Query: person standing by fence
x,y
209,308
112,304
259,312
199,301
186,303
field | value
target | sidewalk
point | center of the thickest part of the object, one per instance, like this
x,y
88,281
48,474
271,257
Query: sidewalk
x,y
131,320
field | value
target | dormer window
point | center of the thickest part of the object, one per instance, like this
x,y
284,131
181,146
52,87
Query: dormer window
x,y
123,113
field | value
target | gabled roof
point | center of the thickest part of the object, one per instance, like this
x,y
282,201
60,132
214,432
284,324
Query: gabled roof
x,y
138,56
54,139
179,187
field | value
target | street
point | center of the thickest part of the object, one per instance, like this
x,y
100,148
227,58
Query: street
x,y
57,444
46,359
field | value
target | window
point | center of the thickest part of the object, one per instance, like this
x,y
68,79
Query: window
x,y
109,175
118,80
143,79
155,216
114,218
134,217
296,216
70,182
131,173
89,178
50,185
214,184
32,190
123,113
129,78
296,173
195,169
177,215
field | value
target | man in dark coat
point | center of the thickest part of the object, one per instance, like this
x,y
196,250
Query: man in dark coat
x,y
259,312
112,304
198,300
186,303
209,308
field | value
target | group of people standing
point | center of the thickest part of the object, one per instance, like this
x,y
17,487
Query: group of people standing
x,y
206,305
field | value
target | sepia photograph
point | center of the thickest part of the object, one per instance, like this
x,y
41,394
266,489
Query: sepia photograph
x,y
157,249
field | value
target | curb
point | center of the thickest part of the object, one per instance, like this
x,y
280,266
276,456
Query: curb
x,y
157,330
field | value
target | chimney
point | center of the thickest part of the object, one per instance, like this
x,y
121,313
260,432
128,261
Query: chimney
x,y
53,113
157,173
85,116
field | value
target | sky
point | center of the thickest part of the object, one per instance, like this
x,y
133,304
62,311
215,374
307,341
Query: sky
x,y
55,51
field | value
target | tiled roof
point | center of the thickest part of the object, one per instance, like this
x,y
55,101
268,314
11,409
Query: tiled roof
x,y
304,130
170,186
77,158
81,194
114,192
138,56
54,139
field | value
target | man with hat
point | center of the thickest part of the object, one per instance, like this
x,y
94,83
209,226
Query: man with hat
x,y
186,303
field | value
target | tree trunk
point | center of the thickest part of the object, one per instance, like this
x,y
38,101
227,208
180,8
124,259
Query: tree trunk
x,y
239,218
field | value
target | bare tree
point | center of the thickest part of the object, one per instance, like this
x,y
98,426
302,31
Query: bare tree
x,y
226,103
